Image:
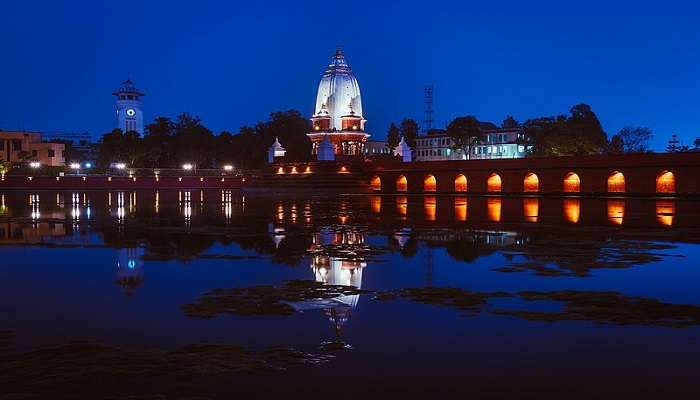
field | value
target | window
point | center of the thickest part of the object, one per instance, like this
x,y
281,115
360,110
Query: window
x,y
16,145
52,153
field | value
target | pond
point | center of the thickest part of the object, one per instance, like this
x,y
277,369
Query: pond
x,y
208,294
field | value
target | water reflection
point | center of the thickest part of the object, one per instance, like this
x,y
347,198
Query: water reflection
x,y
572,210
494,208
531,207
616,211
460,209
130,269
429,208
402,206
665,211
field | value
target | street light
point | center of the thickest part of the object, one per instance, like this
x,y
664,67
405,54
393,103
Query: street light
x,y
88,165
75,165
35,164
228,167
187,167
120,166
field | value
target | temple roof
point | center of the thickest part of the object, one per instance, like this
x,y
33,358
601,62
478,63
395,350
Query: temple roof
x,y
338,92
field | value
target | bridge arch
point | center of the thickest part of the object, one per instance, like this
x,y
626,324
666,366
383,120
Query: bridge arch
x,y
429,183
572,183
375,183
401,184
616,182
494,183
460,183
666,182
531,183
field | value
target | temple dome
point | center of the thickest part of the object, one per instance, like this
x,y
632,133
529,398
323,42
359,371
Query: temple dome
x,y
338,92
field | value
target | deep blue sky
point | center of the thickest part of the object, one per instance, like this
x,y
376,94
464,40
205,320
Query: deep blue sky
x,y
231,63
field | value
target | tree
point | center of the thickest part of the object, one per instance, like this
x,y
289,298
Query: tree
x,y
634,139
585,131
192,142
509,123
409,130
673,144
290,127
616,145
465,132
393,136
696,143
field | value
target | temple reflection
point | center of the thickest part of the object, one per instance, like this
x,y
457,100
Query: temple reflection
x,y
402,206
376,204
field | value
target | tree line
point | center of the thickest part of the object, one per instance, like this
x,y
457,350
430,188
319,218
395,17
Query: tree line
x,y
168,143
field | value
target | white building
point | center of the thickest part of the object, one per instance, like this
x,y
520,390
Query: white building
x,y
128,107
338,111
436,145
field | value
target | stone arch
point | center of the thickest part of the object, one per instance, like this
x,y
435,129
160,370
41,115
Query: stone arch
x,y
494,183
531,183
616,182
401,184
666,182
460,183
429,183
572,183
376,183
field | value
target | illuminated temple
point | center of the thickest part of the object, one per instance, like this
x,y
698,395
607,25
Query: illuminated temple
x,y
338,123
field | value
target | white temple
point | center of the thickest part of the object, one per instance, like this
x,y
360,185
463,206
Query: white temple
x,y
338,112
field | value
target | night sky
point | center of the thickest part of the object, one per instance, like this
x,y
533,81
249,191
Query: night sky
x,y
232,63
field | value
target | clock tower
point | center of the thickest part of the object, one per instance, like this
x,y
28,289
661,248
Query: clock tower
x,y
128,107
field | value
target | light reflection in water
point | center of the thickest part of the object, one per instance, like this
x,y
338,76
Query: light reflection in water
x,y
130,268
120,208
572,210
34,202
226,205
376,204
460,209
75,207
531,209
187,208
616,211
157,206
493,205
665,212
401,205
429,208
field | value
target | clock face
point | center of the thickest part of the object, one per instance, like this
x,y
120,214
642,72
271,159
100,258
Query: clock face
x,y
130,112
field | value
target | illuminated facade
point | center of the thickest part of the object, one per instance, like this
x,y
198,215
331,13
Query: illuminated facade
x,y
436,145
338,111
128,108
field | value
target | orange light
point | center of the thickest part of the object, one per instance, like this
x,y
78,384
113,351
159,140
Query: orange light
x,y
294,170
375,183
572,210
616,211
179,179
493,184
401,184
616,182
376,204
493,206
460,209
460,183
308,169
401,205
665,212
666,182
531,183
280,170
343,170
572,183
531,209
429,208
429,184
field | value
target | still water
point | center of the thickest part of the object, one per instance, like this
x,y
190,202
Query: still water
x,y
113,294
